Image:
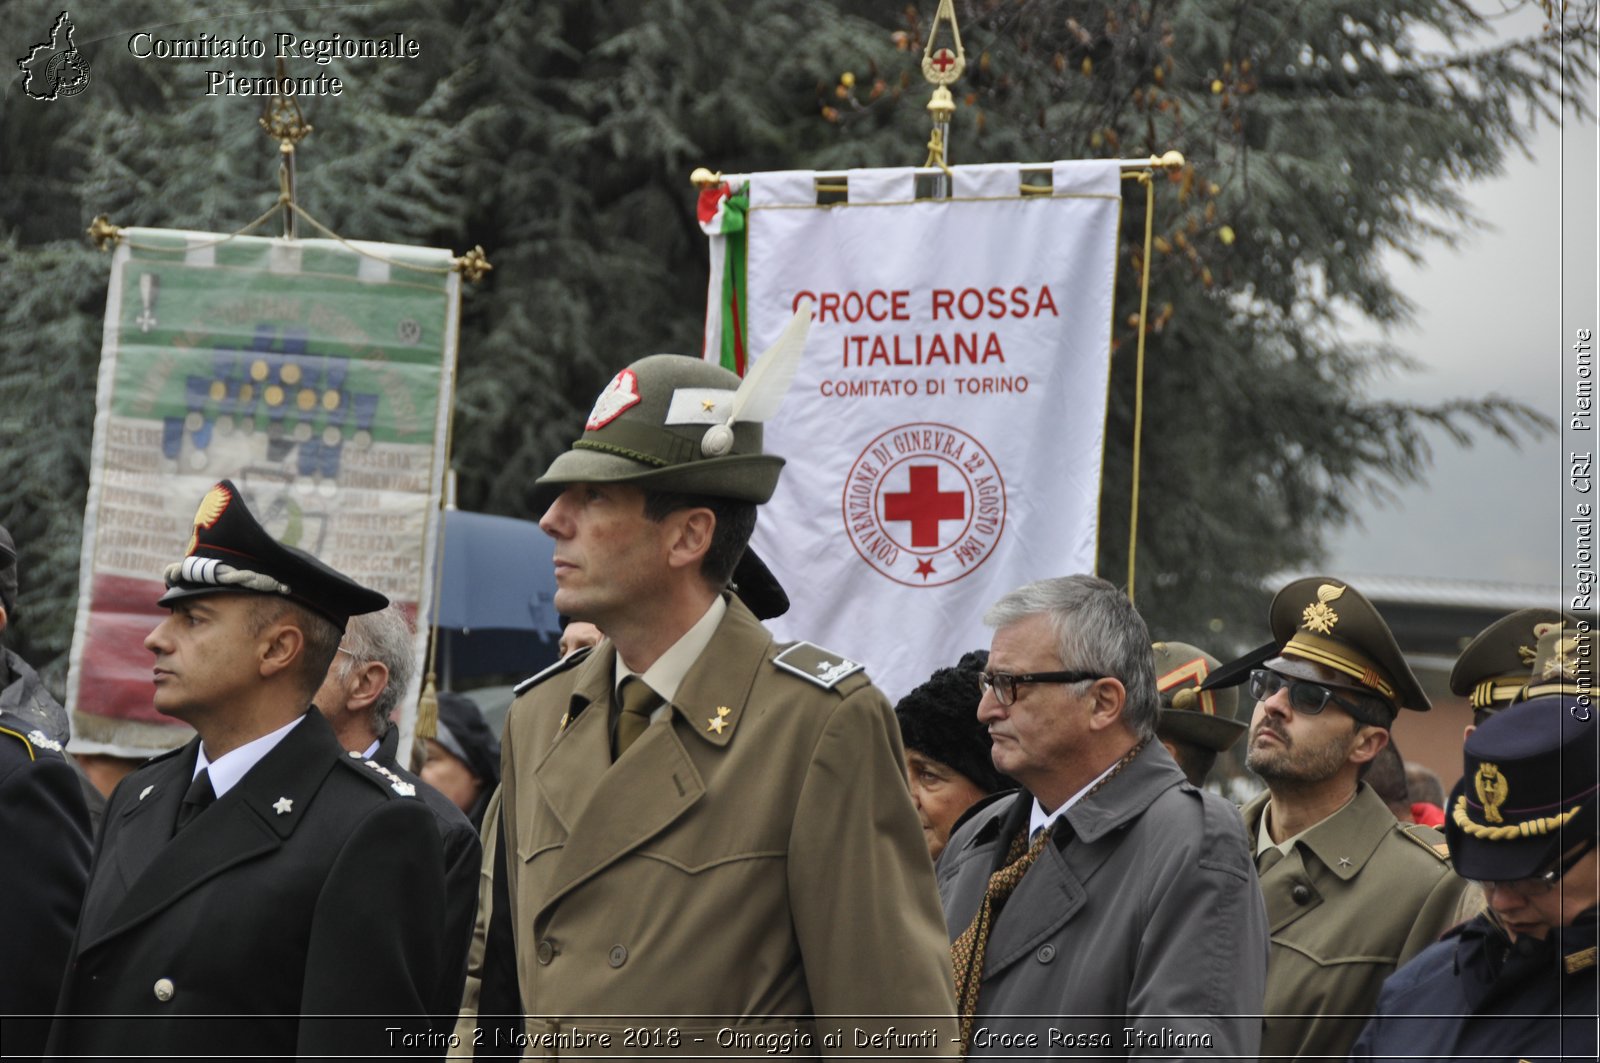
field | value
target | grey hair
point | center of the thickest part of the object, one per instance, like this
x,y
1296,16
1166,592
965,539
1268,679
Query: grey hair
x,y
1097,630
384,637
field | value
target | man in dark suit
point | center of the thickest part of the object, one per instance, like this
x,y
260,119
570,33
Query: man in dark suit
x,y
368,677
44,837
253,888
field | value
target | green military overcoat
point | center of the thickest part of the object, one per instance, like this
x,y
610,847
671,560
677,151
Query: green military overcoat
x,y
1357,897
751,870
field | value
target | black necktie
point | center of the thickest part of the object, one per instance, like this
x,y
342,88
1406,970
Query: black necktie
x,y
196,799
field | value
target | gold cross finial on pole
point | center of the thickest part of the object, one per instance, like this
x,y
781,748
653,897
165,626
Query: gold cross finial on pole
x,y
942,65
282,120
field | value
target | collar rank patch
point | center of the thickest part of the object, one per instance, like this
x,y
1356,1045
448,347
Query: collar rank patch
x,y
397,784
43,741
817,665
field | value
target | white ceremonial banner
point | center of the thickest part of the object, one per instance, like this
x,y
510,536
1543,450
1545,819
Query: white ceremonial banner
x,y
945,428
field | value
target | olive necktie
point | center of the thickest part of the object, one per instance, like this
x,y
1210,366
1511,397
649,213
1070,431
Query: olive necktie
x,y
637,702
196,799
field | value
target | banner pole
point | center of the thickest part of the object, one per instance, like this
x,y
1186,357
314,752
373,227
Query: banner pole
x,y
942,65
705,177
1146,179
282,120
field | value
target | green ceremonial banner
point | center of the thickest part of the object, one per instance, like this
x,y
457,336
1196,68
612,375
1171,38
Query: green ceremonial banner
x,y
315,374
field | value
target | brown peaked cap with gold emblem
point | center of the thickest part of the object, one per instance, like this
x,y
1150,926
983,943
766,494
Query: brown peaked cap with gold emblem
x,y
231,553
1493,669
1207,718
1563,663
1326,621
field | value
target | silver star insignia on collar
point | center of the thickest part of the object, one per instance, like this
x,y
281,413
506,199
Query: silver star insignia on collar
x,y
1344,861
283,806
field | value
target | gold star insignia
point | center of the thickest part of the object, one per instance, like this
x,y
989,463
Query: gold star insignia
x,y
716,723
708,405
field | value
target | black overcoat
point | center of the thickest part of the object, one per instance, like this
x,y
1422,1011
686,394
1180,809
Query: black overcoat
x,y
306,894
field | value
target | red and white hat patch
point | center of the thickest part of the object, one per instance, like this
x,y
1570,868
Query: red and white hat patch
x,y
620,395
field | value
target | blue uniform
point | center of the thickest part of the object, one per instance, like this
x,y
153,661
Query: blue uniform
x,y
1475,994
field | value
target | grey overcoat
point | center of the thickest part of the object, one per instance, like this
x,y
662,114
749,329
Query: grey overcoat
x,y
1139,931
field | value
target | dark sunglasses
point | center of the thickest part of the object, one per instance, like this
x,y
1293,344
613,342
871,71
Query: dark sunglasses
x,y
1305,696
1004,685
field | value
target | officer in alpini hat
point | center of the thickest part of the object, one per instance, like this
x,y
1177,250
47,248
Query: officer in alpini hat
x,y
1493,669
699,807
1195,724
1518,981
1350,893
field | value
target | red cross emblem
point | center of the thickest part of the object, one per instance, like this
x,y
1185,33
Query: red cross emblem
x,y
943,60
924,505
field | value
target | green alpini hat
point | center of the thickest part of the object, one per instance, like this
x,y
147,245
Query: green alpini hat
x,y
673,423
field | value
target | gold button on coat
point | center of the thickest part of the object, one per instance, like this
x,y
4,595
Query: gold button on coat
x,y
164,989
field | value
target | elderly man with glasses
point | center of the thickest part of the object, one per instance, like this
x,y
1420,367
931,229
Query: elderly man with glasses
x,y
1519,980
1350,893
1108,908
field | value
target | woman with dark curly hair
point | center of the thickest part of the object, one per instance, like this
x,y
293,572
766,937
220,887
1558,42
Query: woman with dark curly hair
x,y
947,749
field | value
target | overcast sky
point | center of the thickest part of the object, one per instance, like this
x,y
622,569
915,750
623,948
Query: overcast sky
x,y
1493,316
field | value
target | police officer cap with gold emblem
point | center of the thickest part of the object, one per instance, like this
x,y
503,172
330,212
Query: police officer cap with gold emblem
x,y
231,553
1527,795
673,423
1563,663
1493,668
1320,620
1205,717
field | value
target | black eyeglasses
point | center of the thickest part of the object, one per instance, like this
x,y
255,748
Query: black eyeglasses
x,y
1539,884
1305,696
1003,685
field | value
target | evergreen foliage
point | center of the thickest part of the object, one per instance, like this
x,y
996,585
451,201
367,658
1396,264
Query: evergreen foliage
x,y
559,136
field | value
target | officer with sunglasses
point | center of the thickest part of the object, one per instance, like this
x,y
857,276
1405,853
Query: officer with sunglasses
x,y
1519,980
1350,893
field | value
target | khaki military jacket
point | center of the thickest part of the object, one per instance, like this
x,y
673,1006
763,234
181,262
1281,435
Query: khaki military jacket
x,y
750,876
1359,895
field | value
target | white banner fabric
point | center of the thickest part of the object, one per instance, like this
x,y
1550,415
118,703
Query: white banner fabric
x,y
944,431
